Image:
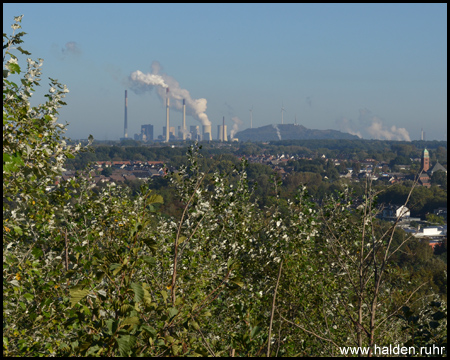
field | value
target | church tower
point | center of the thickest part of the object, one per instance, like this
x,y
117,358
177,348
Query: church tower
x,y
425,160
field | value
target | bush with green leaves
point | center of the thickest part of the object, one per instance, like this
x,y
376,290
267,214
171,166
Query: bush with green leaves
x,y
34,152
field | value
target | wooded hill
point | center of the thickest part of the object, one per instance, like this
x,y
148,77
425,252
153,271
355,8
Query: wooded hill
x,y
289,132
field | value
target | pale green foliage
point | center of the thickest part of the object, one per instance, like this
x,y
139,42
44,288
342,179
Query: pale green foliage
x,y
34,152
34,149
352,292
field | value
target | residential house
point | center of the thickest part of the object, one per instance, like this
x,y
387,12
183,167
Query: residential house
x,y
393,212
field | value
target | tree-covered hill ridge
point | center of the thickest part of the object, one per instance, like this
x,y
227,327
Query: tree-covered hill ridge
x,y
289,132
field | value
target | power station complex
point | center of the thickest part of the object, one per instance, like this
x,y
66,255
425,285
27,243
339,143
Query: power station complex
x,y
170,133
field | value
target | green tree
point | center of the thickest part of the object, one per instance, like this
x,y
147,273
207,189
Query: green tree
x,y
107,171
353,276
34,149
439,178
342,168
34,152
400,160
356,168
434,219
332,173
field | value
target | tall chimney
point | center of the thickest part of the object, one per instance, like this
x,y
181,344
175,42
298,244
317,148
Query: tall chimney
x,y
167,115
125,124
184,120
223,129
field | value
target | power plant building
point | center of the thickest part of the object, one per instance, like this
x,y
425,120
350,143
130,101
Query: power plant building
x,y
195,132
207,132
222,133
146,132
183,135
170,133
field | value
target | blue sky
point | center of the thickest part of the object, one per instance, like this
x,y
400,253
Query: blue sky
x,y
377,70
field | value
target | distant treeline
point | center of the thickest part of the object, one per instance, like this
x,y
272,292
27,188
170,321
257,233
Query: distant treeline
x,y
354,150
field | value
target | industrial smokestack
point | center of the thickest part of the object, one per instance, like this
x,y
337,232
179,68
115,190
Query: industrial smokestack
x,y
167,115
125,124
183,129
140,82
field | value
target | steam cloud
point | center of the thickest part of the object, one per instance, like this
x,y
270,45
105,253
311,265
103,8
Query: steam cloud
x,y
348,126
370,126
278,131
144,80
378,131
236,123
140,83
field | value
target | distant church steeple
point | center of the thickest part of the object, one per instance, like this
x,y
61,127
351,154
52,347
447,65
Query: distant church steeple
x,y
425,160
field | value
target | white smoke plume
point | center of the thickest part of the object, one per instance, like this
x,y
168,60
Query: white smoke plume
x,y
347,125
372,127
278,131
148,79
140,82
236,123
378,131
